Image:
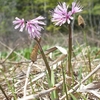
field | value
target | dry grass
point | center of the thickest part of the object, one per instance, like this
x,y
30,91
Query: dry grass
x,y
24,80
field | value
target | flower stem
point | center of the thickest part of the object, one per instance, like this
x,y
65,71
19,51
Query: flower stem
x,y
69,50
44,58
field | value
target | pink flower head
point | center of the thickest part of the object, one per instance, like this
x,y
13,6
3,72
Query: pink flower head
x,y
60,15
34,26
76,7
19,23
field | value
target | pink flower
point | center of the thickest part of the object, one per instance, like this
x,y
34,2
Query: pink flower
x,y
76,7
19,23
34,26
60,15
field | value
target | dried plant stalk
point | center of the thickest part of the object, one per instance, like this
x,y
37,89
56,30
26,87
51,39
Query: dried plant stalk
x,y
34,52
81,21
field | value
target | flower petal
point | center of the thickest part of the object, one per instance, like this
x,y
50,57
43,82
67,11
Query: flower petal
x,y
34,27
19,23
60,15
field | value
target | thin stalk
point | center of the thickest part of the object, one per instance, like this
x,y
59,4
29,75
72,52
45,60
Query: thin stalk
x,y
44,58
69,50
88,54
64,83
31,85
3,92
89,61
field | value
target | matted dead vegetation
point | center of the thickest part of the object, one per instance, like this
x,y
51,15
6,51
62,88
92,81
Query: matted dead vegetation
x,y
25,80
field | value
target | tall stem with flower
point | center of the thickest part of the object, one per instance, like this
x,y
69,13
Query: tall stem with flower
x,y
61,15
34,28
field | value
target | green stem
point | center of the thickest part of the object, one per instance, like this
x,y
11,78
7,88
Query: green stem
x,y
44,58
64,83
69,51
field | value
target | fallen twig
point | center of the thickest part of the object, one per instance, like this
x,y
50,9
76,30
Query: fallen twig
x,y
9,55
42,92
27,76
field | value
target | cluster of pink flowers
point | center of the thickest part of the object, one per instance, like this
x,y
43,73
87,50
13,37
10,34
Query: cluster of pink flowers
x,y
33,26
61,15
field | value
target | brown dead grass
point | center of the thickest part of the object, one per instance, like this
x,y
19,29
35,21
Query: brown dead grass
x,y
13,73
